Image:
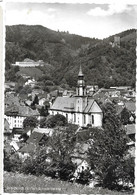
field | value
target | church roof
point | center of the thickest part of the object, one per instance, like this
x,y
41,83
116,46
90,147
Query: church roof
x,y
69,104
64,103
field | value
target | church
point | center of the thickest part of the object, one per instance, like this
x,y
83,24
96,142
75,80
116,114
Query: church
x,y
80,109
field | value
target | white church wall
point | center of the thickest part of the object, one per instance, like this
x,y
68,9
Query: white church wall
x,y
97,120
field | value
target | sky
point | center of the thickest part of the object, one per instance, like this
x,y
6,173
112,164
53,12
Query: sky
x,y
99,20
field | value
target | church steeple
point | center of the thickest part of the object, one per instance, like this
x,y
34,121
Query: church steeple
x,y
80,72
81,90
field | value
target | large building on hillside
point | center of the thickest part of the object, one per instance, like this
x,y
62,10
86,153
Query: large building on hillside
x,y
29,63
80,109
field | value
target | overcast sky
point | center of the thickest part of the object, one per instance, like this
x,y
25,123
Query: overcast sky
x,y
98,20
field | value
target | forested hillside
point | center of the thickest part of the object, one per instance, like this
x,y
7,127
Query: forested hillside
x,y
62,53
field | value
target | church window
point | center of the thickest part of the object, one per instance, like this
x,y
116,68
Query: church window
x,y
92,119
67,117
84,119
74,117
52,113
78,109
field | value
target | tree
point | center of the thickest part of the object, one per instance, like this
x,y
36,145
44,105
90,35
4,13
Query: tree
x,y
44,111
108,148
30,122
36,100
125,114
43,122
25,90
56,120
54,157
12,162
62,145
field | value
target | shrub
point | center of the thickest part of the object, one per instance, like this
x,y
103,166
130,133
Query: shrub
x,y
12,162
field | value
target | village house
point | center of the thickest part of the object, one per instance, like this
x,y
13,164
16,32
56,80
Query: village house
x,y
15,115
131,133
91,89
80,109
36,139
31,82
68,93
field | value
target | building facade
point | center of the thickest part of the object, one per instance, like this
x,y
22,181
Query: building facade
x,y
15,115
80,109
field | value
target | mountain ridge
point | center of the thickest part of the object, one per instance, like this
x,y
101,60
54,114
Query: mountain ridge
x,y
101,63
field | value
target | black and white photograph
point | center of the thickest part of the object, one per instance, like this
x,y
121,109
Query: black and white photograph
x,y
69,111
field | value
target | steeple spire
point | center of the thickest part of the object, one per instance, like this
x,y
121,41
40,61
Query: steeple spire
x,y
80,71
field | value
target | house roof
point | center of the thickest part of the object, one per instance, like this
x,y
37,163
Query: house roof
x,y
83,135
92,107
119,108
21,111
131,106
35,137
130,129
69,104
28,148
47,131
6,126
12,100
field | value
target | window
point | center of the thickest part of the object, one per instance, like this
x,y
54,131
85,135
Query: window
x,y
78,109
92,119
84,119
74,117
67,117
52,113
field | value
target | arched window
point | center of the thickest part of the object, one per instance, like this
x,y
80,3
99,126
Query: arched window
x,y
92,119
67,117
84,119
74,117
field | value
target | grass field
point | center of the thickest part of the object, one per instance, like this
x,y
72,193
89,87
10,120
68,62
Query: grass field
x,y
20,183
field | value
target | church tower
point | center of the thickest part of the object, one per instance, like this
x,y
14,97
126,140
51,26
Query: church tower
x,y
81,98
81,88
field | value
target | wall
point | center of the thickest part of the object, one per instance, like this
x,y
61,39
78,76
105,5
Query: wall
x,y
80,118
15,121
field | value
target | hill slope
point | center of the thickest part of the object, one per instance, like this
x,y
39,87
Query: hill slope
x,y
102,64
